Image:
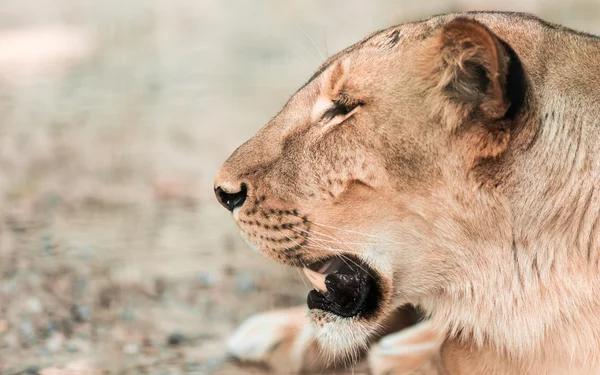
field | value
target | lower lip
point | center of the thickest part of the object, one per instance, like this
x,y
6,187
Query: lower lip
x,y
361,296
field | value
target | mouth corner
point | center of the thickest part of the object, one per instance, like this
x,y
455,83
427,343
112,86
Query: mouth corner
x,y
344,286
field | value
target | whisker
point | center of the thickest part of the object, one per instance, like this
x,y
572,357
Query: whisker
x,y
340,253
349,259
330,249
340,242
325,42
313,43
302,278
357,265
334,241
343,230
305,50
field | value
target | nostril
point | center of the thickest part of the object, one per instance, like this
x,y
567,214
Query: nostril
x,y
231,201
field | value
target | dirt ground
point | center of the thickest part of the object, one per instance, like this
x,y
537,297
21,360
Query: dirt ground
x,y
114,117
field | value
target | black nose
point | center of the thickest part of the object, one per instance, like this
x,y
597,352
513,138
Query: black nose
x,y
231,201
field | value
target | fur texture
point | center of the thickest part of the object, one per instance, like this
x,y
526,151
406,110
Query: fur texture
x,y
460,158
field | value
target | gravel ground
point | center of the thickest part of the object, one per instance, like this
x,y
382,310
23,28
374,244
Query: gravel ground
x,y
114,256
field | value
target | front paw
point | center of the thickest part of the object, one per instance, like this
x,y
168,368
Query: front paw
x,y
411,351
283,340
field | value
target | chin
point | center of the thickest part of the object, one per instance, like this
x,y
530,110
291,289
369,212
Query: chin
x,y
342,337
347,306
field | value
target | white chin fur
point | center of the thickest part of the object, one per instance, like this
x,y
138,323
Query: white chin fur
x,y
340,338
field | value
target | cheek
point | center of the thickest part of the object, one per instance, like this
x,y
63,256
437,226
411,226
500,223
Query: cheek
x,y
344,180
426,254
357,206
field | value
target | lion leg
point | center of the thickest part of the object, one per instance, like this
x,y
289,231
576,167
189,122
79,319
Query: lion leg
x,y
282,340
414,350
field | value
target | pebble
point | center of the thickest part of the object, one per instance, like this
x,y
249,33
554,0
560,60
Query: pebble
x,y
47,244
78,345
34,305
206,279
85,252
51,327
27,331
244,283
131,349
66,327
55,342
81,286
9,287
160,286
71,348
10,339
207,367
3,326
175,338
32,370
127,316
80,313
43,352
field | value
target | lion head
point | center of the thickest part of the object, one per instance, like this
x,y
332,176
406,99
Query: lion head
x,y
378,176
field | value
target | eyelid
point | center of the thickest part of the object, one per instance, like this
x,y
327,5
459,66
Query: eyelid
x,y
341,107
337,114
335,110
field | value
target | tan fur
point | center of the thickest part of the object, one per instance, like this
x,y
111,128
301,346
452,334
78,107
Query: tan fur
x,y
467,174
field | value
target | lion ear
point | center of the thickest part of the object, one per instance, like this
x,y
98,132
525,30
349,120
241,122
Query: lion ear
x,y
469,74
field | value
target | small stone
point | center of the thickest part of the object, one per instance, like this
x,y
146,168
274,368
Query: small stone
x,y
10,339
66,327
43,352
81,286
131,349
160,286
51,327
32,370
127,316
27,331
83,367
34,305
10,286
47,245
3,326
147,342
77,345
206,279
213,364
80,313
244,283
85,252
55,342
175,339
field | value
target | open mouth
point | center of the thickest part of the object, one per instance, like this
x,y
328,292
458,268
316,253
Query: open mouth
x,y
344,286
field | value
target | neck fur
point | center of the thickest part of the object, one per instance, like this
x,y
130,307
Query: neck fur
x,y
549,234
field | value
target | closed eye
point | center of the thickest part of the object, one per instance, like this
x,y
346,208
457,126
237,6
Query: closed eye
x,y
335,111
341,109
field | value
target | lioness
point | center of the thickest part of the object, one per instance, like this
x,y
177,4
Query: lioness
x,y
451,165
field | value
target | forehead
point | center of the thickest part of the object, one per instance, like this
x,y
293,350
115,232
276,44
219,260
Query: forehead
x,y
374,54
383,44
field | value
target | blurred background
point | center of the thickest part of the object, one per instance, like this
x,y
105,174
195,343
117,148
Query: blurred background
x,y
115,257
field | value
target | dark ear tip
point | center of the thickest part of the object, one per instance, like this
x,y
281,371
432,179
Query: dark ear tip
x,y
464,24
462,29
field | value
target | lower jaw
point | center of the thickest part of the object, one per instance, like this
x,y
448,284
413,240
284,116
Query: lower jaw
x,y
355,294
339,336
360,306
